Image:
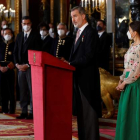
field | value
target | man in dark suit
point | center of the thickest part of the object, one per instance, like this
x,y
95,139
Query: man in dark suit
x,y
105,43
86,77
26,40
45,37
62,44
7,74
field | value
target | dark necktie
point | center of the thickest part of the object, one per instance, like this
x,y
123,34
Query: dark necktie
x,y
25,38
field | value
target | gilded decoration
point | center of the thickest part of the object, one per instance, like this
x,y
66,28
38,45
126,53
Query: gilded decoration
x,y
17,8
108,91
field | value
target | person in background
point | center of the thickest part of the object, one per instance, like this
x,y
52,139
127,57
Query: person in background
x,y
62,45
52,32
4,24
128,119
26,40
69,33
7,71
45,37
104,47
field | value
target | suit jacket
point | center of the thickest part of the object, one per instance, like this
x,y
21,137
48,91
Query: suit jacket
x,y
63,46
104,51
6,51
83,57
47,44
33,42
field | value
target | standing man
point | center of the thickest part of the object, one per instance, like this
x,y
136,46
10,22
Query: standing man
x,y
105,43
26,40
7,73
62,44
45,37
86,76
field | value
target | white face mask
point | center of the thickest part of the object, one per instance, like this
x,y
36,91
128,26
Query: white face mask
x,y
43,33
129,35
51,30
61,32
26,28
5,26
7,37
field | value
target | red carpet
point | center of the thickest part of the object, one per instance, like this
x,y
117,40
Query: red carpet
x,y
16,127
13,127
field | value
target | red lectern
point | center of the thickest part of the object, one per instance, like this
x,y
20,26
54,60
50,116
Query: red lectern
x,y
52,96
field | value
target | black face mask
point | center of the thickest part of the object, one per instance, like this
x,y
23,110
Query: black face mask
x,y
99,28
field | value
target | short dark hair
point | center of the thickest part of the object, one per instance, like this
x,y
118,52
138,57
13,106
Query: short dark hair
x,y
43,24
11,32
80,9
26,17
104,23
135,26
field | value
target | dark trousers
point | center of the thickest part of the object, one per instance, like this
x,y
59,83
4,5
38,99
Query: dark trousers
x,y
7,91
87,119
25,89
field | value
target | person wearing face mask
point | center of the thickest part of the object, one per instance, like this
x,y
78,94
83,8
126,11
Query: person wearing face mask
x,y
52,32
45,37
128,119
4,24
62,45
104,47
7,74
26,40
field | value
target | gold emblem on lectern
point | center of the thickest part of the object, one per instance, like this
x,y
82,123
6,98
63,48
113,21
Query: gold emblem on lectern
x,y
34,58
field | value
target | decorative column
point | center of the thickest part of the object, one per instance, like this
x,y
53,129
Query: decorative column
x,y
17,7
52,11
63,11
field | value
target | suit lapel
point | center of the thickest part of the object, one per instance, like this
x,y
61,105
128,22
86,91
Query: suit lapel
x,y
79,40
21,41
28,40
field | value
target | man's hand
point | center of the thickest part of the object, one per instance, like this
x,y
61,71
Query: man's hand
x,y
3,69
64,60
22,67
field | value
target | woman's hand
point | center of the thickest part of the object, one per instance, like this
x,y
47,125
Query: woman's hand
x,y
120,82
121,86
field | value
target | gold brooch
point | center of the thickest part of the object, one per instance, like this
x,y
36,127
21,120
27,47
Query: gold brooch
x,y
9,53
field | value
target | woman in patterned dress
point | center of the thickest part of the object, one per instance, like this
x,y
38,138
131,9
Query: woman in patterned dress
x,y
128,120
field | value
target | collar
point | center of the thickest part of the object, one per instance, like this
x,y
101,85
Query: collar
x,y
28,33
43,37
100,34
83,27
8,42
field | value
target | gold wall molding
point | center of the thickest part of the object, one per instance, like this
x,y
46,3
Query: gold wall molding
x,y
52,11
63,11
17,9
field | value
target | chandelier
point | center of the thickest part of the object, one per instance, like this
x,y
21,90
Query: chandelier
x,y
7,14
91,5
